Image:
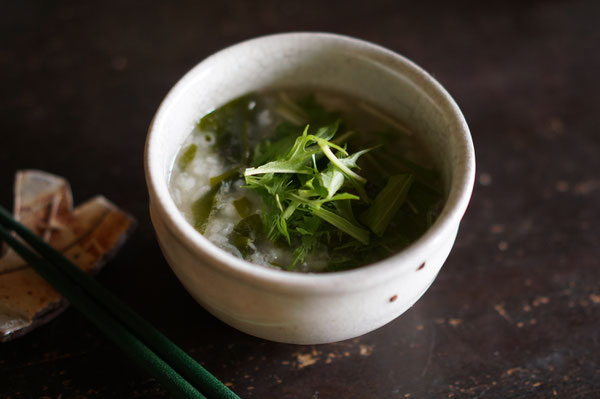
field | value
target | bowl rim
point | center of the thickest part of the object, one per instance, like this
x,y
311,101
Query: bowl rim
x,y
362,277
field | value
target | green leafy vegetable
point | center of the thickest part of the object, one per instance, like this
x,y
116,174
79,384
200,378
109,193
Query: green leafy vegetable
x,y
243,206
245,233
341,223
270,148
312,234
387,203
295,191
313,193
316,113
202,208
295,161
227,175
187,156
230,124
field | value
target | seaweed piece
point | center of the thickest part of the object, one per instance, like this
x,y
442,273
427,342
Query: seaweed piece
x,y
187,156
246,232
243,206
230,124
202,208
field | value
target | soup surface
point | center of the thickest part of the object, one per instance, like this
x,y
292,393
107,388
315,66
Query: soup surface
x,y
307,181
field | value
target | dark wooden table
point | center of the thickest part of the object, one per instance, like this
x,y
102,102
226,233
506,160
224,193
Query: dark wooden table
x,y
514,313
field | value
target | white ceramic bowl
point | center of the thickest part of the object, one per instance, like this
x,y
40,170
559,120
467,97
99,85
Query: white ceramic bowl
x,y
309,308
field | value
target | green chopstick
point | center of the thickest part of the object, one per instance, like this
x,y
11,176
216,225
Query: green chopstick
x,y
105,322
73,279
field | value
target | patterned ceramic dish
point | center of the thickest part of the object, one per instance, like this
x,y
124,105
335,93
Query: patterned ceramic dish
x,y
294,307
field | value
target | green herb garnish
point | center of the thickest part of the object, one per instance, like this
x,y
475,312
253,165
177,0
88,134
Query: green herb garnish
x,y
387,203
298,194
313,194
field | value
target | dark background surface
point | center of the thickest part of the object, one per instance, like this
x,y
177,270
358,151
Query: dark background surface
x,y
514,313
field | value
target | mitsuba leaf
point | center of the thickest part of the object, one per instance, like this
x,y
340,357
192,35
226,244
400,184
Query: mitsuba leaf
x,y
316,113
300,177
330,181
389,200
295,161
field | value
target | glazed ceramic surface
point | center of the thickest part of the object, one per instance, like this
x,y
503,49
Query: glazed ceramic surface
x,y
294,307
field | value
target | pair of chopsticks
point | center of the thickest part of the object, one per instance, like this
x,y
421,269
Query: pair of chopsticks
x,y
170,365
